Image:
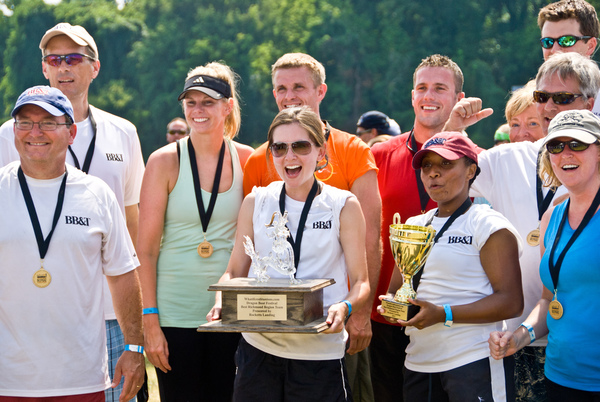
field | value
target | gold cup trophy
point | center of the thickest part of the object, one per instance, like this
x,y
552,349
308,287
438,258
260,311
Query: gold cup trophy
x,y
411,246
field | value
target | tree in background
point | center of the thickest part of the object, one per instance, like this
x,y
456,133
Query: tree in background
x,y
369,49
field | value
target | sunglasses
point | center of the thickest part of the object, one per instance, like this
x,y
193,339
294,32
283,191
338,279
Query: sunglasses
x,y
174,132
72,59
279,149
361,132
559,98
563,41
556,147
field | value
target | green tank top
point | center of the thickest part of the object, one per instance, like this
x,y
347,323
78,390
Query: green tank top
x,y
183,277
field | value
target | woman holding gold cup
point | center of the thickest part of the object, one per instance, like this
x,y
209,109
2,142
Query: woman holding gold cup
x,y
570,272
470,283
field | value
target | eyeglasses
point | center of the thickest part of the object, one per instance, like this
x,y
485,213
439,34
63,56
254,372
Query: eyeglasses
x,y
560,98
175,132
361,132
563,41
49,125
72,59
279,149
556,147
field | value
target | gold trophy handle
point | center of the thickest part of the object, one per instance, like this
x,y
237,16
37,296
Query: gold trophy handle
x,y
396,218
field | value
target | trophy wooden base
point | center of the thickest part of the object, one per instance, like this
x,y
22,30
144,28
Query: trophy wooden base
x,y
274,306
398,310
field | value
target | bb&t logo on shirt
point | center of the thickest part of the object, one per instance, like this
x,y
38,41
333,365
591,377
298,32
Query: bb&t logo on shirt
x,y
322,225
77,220
114,157
460,239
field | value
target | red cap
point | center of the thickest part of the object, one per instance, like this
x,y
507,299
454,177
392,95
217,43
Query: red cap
x,y
448,145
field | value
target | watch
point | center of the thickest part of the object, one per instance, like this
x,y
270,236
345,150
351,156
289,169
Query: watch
x,y
448,311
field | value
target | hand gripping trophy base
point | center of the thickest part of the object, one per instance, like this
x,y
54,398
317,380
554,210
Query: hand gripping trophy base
x,y
411,246
399,307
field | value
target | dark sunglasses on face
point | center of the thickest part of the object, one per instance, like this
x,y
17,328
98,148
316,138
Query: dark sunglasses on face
x,y
279,149
559,98
180,132
563,41
71,59
556,147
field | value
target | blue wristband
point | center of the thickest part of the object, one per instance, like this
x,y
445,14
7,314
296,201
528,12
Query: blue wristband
x,y
150,310
135,348
529,329
448,311
349,307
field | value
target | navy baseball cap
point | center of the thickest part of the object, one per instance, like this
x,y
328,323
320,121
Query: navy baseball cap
x,y
379,121
50,99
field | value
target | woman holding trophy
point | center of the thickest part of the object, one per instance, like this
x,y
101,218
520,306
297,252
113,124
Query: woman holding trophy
x,y
190,196
331,244
570,271
469,284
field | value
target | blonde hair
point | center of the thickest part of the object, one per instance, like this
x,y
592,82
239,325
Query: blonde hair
x,y
294,60
545,170
305,118
222,71
520,100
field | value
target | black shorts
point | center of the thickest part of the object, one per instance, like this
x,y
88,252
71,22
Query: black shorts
x,y
202,366
563,394
262,377
483,380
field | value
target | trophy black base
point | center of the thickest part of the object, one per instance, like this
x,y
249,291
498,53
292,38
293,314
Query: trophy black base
x,y
398,310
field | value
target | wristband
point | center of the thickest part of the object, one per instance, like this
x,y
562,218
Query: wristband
x,y
448,311
349,307
529,329
150,310
135,348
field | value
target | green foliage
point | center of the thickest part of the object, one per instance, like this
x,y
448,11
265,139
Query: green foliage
x,y
369,48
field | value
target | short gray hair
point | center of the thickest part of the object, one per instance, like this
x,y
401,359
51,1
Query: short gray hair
x,y
572,65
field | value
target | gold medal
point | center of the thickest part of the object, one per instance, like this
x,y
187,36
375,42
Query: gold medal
x,y
555,308
533,238
41,278
205,249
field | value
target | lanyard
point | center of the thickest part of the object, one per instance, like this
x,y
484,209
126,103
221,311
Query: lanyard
x,y
461,210
555,268
423,196
303,216
205,215
42,243
90,152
